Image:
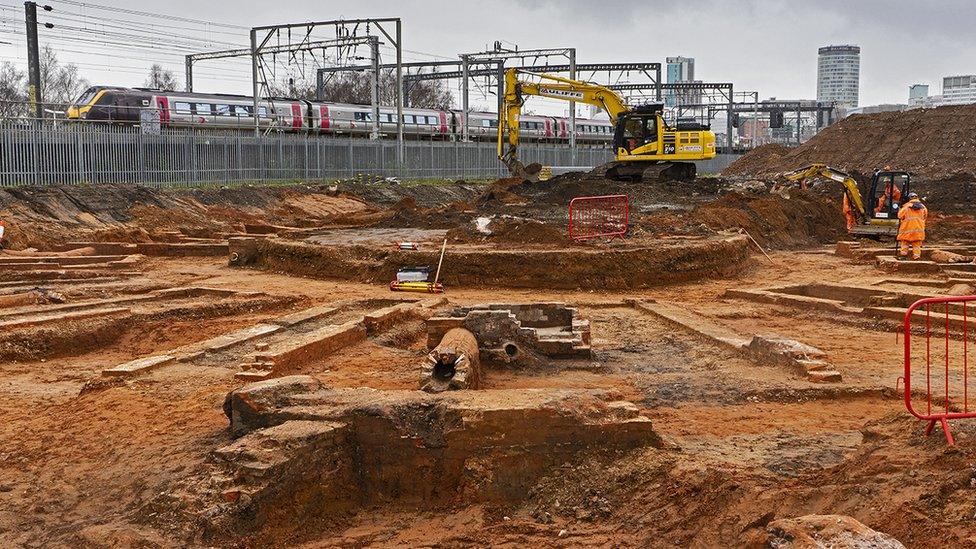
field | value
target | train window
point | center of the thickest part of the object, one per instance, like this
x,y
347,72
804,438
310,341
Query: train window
x,y
408,119
432,120
204,109
87,96
363,116
486,123
493,123
262,111
223,110
181,107
242,110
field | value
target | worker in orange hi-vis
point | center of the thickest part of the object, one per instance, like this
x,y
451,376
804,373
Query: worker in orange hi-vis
x,y
911,226
849,214
890,191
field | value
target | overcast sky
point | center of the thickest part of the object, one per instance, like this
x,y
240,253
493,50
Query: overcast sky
x,y
765,45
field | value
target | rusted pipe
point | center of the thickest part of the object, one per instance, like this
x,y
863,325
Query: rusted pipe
x,y
453,364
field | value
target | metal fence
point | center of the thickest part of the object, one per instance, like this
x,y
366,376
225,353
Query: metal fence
x,y
32,155
69,154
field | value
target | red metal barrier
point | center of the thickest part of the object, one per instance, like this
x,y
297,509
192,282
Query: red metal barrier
x,y
946,375
598,216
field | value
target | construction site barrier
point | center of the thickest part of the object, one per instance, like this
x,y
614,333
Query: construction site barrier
x,y
945,354
598,216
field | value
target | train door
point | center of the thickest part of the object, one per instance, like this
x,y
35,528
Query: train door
x,y
296,116
324,121
163,104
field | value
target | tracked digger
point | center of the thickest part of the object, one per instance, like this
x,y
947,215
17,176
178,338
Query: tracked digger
x,y
646,147
875,218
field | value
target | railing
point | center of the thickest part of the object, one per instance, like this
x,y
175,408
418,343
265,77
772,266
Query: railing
x,y
946,375
598,216
89,153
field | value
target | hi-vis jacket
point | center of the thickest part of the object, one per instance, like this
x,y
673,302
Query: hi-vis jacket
x,y
912,227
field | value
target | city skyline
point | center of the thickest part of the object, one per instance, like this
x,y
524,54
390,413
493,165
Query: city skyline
x,y
728,37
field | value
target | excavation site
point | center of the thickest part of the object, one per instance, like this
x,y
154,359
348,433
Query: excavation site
x,y
354,282
238,366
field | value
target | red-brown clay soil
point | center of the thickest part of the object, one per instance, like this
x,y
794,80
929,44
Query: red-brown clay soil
x,y
90,461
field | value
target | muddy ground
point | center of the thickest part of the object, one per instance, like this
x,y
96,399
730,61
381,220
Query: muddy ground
x,y
93,461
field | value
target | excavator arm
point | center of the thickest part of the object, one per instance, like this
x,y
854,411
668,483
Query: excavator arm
x,y
850,186
553,87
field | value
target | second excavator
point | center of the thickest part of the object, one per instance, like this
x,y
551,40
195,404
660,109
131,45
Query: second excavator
x,y
876,217
645,145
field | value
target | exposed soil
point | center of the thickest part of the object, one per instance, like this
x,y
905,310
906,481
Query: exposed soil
x,y
936,144
754,454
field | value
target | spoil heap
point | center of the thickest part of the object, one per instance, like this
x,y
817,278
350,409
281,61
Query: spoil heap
x,y
933,143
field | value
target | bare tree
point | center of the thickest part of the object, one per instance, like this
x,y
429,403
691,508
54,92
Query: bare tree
x,y
161,79
60,83
354,87
12,96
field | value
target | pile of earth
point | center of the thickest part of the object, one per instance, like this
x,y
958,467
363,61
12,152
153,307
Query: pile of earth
x,y
45,216
510,229
757,160
935,144
776,221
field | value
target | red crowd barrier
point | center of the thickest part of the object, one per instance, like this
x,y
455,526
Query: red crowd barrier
x,y
945,354
598,216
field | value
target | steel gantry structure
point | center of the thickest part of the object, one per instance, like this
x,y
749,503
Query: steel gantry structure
x,y
348,32
491,64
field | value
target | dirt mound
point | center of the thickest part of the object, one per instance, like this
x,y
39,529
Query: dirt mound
x,y
44,216
934,143
773,220
757,160
514,230
499,193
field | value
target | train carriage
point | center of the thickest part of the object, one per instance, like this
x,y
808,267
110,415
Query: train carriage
x,y
175,109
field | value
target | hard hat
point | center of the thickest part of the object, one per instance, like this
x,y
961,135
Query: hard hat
x,y
912,196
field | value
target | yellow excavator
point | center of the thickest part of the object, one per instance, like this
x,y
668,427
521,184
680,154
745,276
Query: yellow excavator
x,y
878,216
646,146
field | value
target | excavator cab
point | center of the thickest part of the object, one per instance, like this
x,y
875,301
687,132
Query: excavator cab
x,y
889,190
637,129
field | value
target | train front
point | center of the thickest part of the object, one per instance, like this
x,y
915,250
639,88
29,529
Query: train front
x,y
81,107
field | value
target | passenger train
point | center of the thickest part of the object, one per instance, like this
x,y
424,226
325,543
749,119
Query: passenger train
x,y
222,111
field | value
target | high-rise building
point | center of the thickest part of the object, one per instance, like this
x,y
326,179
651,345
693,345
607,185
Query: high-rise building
x,y
680,69
959,90
838,74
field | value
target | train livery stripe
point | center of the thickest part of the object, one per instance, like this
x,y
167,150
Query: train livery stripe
x,y
296,115
443,119
163,104
324,112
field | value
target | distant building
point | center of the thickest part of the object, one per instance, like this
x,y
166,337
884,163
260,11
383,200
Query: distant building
x,y
917,92
839,74
681,69
874,109
958,90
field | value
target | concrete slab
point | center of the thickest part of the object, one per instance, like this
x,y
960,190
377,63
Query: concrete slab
x,y
801,301
314,345
767,348
41,319
138,366
238,337
179,249
688,319
78,306
305,315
